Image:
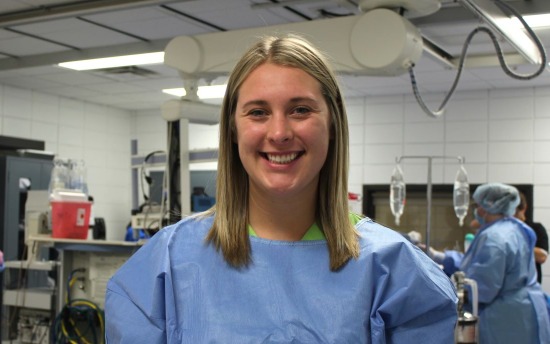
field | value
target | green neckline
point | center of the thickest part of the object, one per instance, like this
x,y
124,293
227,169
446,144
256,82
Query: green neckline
x,y
314,232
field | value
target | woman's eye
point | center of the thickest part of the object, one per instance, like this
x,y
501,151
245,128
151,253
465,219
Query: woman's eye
x,y
257,112
302,110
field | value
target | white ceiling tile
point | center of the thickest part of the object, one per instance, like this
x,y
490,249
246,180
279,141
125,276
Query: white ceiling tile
x,y
33,71
229,14
159,84
168,26
5,34
73,78
29,82
114,88
48,27
76,33
72,92
23,46
125,16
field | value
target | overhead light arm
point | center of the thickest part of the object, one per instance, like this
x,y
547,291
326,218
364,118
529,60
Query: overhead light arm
x,y
194,111
354,43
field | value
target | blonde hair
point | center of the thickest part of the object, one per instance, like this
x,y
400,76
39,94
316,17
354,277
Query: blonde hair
x,y
229,231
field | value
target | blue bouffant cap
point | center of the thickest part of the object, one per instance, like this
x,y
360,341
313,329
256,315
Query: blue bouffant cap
x,y
497,198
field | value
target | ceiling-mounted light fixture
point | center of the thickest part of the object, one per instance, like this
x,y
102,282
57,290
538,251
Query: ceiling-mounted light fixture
x,y
115,61
492,14
203,92
535,21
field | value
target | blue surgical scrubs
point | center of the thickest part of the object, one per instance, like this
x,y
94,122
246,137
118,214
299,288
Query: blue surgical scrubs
x,y
512,306
177,289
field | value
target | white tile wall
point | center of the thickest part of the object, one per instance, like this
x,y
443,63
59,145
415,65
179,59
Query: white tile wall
x,y
542,104
511,130
74,129
18,127
16,103
356,155
542,128
506,151
381,133
466,131
468,107
511,103
472,151
540,151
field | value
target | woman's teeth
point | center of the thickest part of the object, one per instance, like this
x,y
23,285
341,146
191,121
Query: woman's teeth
x,y
282,159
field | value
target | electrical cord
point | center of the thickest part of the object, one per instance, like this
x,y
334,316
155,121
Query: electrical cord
x,y
69,324
164,209
500,55
147,178
147,205
21,285
174,168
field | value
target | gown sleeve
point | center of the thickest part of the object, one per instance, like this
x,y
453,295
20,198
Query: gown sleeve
x,y
488,268
137,294
127,323
416,302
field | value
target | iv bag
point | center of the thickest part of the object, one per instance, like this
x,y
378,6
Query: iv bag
x,y
77,175
461,194
59,176
397,193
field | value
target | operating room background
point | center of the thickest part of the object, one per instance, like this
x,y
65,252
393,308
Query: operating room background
x,y
503,134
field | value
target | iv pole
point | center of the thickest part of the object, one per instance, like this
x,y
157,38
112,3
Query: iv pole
x,y
430,159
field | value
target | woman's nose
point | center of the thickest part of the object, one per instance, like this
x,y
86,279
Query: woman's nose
x,y
279,129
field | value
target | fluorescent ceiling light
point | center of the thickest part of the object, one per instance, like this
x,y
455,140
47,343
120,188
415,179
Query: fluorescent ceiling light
x,y
116,61
534,21
204,92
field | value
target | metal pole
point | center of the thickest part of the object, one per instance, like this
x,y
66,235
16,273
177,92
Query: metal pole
x,y
429,204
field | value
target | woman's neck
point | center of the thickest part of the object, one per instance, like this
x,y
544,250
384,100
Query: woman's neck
x,y
284,218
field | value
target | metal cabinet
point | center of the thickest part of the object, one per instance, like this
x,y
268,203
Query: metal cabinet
x,y
15,174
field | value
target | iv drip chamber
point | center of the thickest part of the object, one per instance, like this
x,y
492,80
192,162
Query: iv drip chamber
x,y
397,193
461,194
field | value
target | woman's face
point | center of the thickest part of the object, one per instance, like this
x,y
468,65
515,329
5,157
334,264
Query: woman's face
x,y
283,130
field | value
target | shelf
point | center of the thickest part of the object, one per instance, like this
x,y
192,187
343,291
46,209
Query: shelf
x,y
32,265
37,298
48,239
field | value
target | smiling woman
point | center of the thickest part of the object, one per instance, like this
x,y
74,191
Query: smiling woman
x,y
279,258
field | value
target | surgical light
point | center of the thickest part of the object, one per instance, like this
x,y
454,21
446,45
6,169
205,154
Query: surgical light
x,y
115,61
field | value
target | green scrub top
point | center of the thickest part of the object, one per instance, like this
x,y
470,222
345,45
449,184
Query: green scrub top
x,y
314,232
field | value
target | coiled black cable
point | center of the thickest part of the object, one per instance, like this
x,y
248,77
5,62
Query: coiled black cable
x,y
505,7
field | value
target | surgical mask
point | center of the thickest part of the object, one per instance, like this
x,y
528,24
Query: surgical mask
x,y
480,219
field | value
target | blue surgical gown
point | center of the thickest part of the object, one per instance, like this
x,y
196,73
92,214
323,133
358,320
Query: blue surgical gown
x,y
177,289
512,307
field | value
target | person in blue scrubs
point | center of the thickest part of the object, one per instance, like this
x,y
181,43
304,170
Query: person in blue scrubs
x,y
279,258
512,306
